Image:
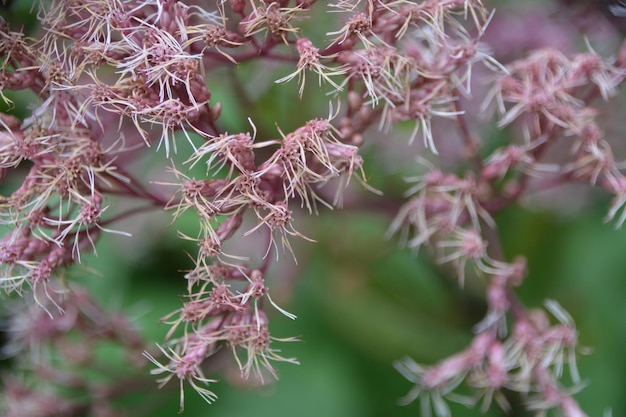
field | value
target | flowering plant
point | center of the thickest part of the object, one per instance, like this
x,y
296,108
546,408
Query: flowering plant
x,y
117,79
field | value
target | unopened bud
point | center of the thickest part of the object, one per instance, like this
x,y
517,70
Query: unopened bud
x,y
355,101
365,112
238,6
345,131
357,139
216,111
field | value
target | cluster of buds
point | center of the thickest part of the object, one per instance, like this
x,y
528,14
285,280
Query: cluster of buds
x,y
64,343
140,65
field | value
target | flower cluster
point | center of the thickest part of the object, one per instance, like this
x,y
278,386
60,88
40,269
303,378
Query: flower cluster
x,y
140,66
71,330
